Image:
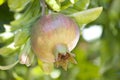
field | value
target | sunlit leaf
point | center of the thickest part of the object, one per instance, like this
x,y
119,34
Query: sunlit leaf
x,y
21,37
65,4
69,11
17,5
86,16
8,66
17,77
26,55
2,1
6,37
54,4
81,4
28,17
7,50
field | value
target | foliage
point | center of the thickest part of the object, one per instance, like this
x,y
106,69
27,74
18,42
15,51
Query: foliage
x,y
98,59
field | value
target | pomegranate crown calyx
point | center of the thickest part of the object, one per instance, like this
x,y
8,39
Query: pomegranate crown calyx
x,y
63,56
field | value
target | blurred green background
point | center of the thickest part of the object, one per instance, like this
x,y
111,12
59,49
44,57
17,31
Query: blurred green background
x,y
97,53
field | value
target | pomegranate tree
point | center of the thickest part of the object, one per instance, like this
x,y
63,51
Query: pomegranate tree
x,y
53,37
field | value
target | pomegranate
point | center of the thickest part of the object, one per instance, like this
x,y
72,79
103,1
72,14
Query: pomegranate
x,y
53,37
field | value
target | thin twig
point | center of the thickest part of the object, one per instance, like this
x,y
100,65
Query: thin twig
x,y
43,5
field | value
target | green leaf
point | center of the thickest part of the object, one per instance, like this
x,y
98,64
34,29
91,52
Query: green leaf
x,y
9,66
6,37
73,1
81,4
2,1
17,5
26,55
86,16
69,11
65,4
21,36
54,4
7,50
28,17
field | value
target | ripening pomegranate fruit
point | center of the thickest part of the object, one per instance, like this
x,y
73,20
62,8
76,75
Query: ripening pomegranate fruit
x,y
53,37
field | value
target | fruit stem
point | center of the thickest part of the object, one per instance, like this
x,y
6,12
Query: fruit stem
x,y
43,5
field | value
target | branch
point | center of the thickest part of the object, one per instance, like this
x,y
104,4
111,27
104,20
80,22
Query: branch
x,y
43,5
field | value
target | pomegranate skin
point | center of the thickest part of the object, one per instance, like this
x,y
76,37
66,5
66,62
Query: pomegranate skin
x,y
52,30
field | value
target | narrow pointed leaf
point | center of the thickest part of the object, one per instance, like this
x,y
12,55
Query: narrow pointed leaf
x,y
17,5
26,55
6,37
8,66
7,50
65,4
86,16
28,17
81,4
21,36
